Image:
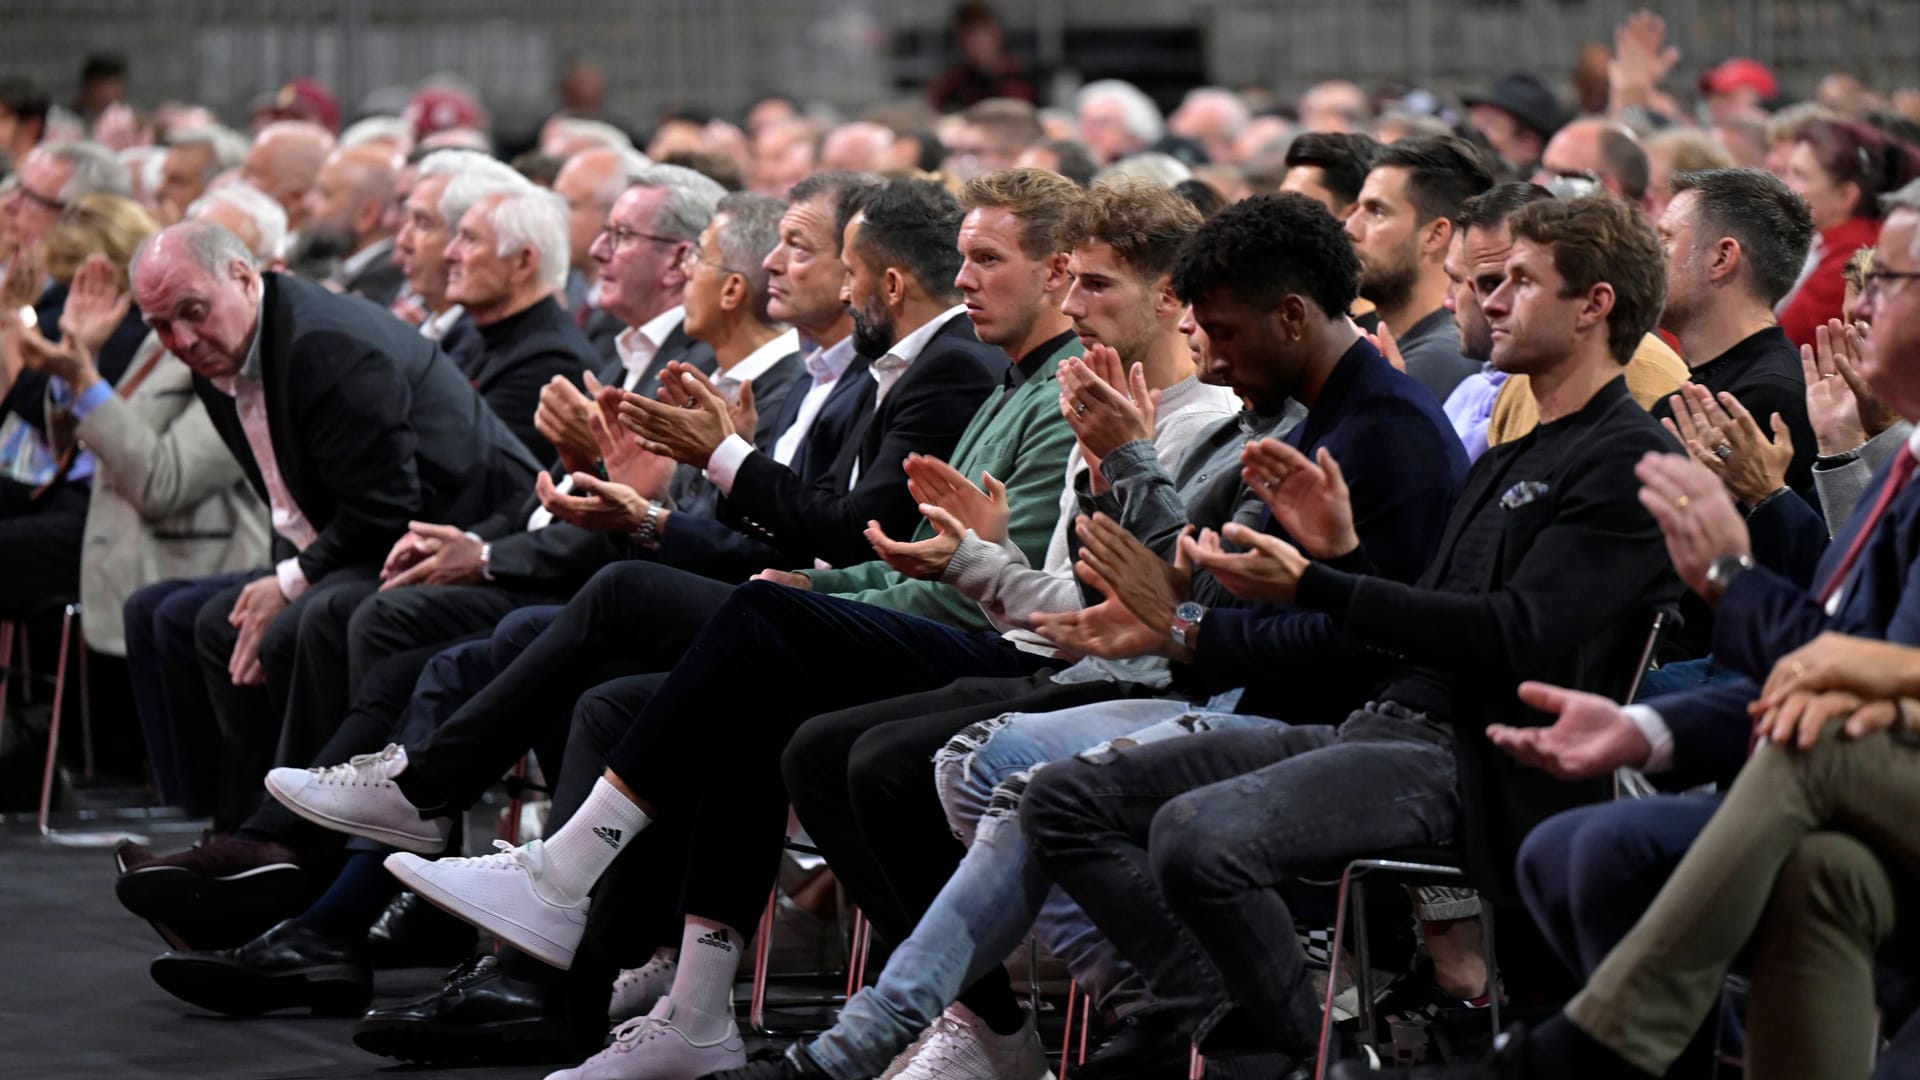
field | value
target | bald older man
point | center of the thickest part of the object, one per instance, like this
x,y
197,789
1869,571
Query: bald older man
x,y
284,161
1215,118
346,223
856,147
1602,152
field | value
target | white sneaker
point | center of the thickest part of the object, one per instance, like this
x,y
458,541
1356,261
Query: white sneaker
x,y
361,799
501,894
637,990
650,1048
960,1046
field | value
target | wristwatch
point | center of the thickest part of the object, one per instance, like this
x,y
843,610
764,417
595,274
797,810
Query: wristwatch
x,y
1721,572
1186,623
649,534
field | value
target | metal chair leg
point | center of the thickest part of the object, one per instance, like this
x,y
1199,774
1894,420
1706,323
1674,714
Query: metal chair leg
x,y
1362,965
1493,967
1033,975
1066,1036
7,628
53,729
86,705
1333,974
762,954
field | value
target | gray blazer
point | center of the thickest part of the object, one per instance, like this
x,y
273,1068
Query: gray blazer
x,y
169,500
1840,486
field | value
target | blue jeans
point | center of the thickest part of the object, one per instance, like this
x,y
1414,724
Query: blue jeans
x,y
998,892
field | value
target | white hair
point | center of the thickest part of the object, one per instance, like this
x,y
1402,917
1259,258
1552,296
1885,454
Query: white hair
x,y
1141,115
452,162
1906,198
212,248
375,128
229,147
593,131
1233,108
269,218
691,200
535,218
95,170
1163,170
146,167
474,177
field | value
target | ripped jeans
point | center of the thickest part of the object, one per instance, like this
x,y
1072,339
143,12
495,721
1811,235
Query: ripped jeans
x,y
998,893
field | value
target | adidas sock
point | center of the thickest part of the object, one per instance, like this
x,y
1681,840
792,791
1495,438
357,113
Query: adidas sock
x,y
586,845
703,983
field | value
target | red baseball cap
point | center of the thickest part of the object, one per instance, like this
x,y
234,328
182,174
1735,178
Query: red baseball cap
x,y
439,108
302,99
1740,73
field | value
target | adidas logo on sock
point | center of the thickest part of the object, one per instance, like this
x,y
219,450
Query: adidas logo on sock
x,y
715,938
611,836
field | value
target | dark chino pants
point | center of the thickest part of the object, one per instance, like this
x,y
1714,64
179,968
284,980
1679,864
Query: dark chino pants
x,y
705,742
1179,850
192,765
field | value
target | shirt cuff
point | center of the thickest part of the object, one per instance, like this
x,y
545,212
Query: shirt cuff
x,y
1659,736
725,461
90,399
293,582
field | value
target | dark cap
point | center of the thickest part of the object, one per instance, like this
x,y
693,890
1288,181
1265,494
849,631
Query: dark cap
x,y
1526,98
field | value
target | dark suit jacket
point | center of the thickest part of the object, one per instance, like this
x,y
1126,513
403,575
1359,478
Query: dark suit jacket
x,y
1766,614
379,281
1566,595
692,493
926,412
712,548
523,352
677,346
372,426
1403,465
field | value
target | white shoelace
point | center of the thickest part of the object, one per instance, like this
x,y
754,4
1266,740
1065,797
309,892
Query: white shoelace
x,y
357,767
505,857
632,1033
949,1039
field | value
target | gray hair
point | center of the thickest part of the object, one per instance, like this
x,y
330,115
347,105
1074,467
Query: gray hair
x,y
211,247
228,147
375,128
534,218
470,186
1906,198
455,162
594,131
95,171
1237,114
752,231
1142,115
1161,170
692,199
269,218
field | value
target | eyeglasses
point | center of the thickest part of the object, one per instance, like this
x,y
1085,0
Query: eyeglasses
x,y
625,237
1871,282
51,203
690,258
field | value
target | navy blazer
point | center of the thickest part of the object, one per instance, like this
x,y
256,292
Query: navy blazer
x,y
1404,466
1766,614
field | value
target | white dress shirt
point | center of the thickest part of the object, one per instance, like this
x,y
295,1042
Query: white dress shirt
x,y
824,366
360,260
435,327
889,368
250,401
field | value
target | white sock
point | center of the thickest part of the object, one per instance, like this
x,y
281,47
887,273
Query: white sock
x,y
585,846
703,983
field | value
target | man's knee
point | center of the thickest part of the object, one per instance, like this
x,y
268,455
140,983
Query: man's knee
x,y
967,770
600,718
1190,856
213,635
1833,878
1054,802
376,618
1541,866
514,633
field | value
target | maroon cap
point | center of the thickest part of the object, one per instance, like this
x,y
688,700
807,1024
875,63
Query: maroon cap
x,y
438,108
302,99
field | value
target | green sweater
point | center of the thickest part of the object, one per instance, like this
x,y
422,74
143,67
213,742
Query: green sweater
x,y
1024,445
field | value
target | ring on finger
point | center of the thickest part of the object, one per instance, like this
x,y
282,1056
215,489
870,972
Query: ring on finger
x,y
1681,502
1722,450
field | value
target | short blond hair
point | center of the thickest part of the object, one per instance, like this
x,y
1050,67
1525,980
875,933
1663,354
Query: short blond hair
x,y
1041,200
112,225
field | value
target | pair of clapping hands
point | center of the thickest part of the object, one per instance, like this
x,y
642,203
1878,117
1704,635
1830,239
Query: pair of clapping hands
x,y
95,307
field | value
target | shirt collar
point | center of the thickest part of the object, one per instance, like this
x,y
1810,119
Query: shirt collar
x,y
828,364
1022,369
759,360
654,331
909,348
436,326
360,260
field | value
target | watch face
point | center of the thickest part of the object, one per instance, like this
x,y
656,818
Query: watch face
x,y
1188,611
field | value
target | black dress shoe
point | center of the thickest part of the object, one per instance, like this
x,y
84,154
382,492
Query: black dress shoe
x,y
792,1065
480,1014
220,893
1146,1045
414,933
287,967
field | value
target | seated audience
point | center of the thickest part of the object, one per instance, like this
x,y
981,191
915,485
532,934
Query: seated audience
x,y
1840,170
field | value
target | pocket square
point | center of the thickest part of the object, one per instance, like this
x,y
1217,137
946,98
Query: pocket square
x,y
1522,493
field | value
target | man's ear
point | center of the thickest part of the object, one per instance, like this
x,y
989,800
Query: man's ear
x,y
893,287
1056,269
1598,305
733,292
1436,237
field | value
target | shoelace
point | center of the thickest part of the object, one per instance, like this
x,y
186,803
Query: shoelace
x,y
355,767
505,857
632,1033
947,1040
633,976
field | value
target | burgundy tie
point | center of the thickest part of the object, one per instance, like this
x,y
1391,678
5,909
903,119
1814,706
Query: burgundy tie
x,y
1897,477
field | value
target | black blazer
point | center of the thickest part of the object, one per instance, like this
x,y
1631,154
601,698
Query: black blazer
x,y
710,547
1566,596
523,352
379,281
677,346
925,412
372,426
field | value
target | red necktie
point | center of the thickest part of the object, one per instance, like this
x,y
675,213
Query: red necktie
x,y
1897,476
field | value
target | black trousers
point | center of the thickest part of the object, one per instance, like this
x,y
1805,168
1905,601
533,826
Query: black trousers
x,y
194,767
631,617
862,783
40,542
705,742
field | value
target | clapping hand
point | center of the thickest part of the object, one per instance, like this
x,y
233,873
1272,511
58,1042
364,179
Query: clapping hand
x,y
1843,409
1105,405
561,419
1146,584
636,477
1382,340
1268,570
1107,629
1641,60
1722,436
1309,498
1695,512
935,483
687,424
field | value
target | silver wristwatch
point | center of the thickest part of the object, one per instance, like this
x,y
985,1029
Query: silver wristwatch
x,y
1186,623
649,534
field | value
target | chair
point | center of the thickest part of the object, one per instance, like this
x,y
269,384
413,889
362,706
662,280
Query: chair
x,y
857,951
71,634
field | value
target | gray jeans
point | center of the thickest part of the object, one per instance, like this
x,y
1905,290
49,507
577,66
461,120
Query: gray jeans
x,y
1178,850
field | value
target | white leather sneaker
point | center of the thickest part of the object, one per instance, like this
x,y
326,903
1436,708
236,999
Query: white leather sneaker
x,y
501,894
637,990
960,1046
361,799
650,1047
